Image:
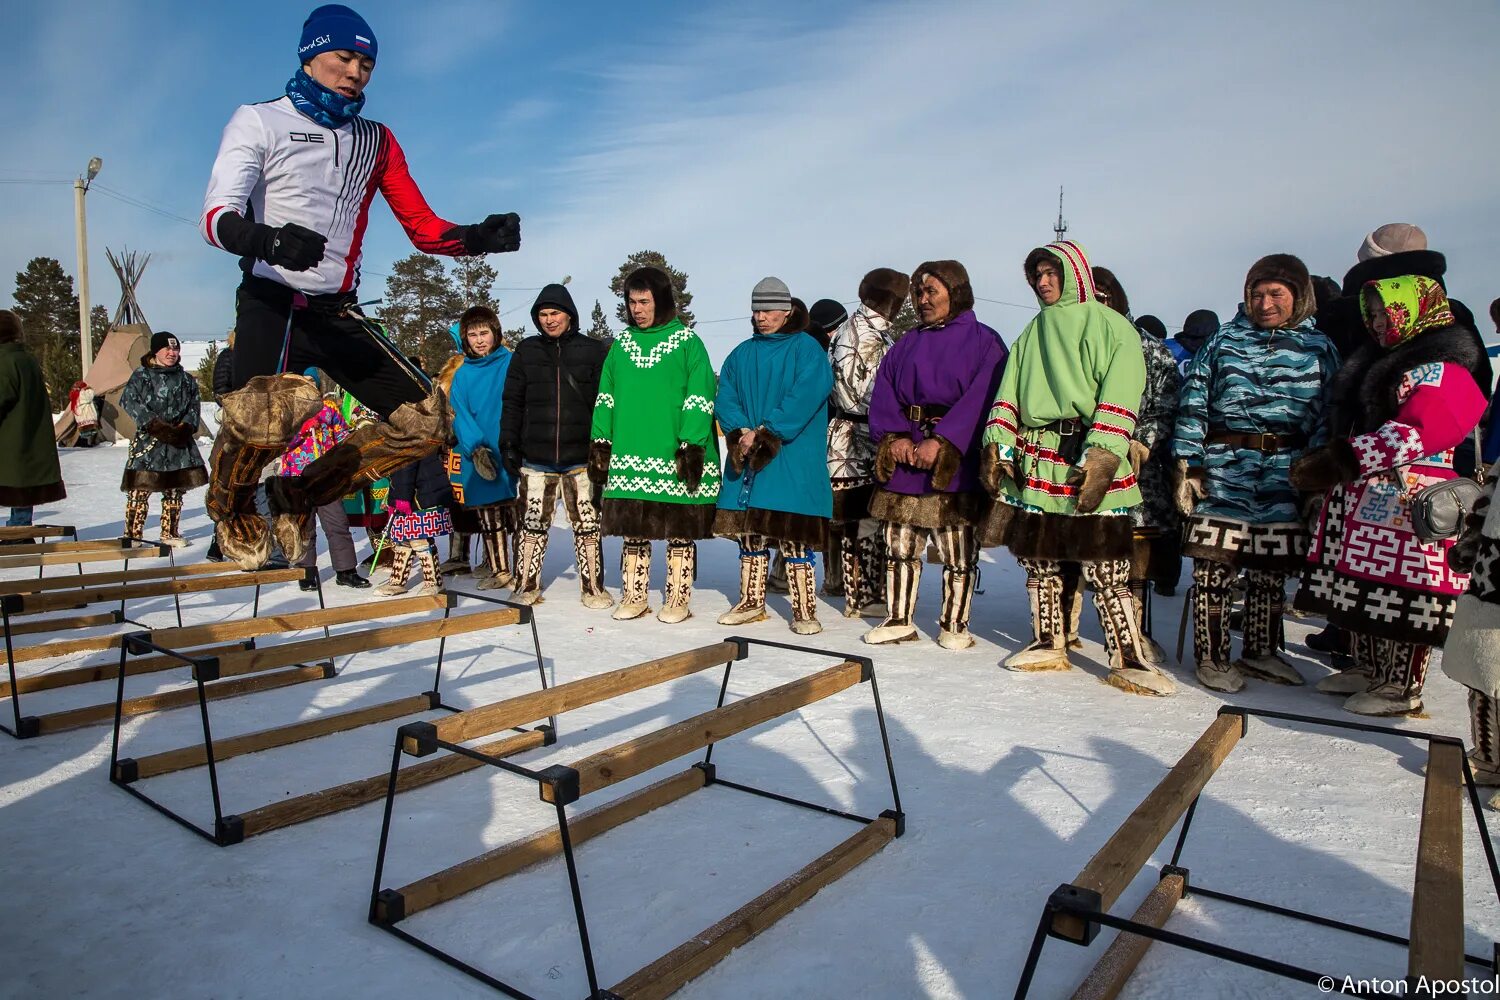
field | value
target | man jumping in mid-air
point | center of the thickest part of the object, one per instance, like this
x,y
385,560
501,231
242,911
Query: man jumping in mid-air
x,y
290,194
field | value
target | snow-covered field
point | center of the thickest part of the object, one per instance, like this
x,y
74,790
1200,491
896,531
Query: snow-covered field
x,y
1009,782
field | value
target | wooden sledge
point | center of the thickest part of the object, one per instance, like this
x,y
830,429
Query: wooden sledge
x,y
1435,946
562,785
212,668
39,596
34,531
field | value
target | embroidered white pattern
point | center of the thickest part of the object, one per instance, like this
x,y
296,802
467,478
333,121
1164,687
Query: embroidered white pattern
x,y
700,403
633,351
606,399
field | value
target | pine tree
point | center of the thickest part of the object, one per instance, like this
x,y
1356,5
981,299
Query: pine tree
x,y
510,338
205,372
652,258
474,279
421,302
599,326
98,327
904,321
48,309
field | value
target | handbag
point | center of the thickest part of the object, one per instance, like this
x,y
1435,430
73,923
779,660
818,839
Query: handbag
x,y
1438,511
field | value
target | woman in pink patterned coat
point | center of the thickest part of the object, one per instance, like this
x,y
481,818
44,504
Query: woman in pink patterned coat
x,y
1400,406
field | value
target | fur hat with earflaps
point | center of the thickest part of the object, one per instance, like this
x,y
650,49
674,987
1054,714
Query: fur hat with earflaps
x,y
1287,270
954,278
885,290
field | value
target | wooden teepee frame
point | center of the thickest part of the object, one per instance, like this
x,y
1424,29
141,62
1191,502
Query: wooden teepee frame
x,y
129,265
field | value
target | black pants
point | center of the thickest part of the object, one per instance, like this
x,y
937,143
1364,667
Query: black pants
x,y
279,330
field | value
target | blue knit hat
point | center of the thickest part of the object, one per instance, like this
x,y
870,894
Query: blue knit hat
x,y
333,27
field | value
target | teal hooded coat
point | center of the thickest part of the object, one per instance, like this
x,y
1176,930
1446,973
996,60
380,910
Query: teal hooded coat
x,y
779,381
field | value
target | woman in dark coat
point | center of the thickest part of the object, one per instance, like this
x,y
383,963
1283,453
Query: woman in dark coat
x,y
31,474
162,398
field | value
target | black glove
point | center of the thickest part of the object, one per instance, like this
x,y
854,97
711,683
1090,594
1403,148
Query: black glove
x,y
511,459
484,463
496,234
293,247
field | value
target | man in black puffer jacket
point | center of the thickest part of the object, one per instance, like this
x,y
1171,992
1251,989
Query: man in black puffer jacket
x,y
544,441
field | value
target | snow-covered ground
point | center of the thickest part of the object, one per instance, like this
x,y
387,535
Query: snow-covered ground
x,y
1009,782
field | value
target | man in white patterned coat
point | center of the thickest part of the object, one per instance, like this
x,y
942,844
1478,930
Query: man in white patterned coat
x,y
855,351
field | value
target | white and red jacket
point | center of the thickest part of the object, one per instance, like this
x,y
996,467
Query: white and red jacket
x,y
276,166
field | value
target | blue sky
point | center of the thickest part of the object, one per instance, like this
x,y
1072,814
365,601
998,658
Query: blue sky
x,y
810,141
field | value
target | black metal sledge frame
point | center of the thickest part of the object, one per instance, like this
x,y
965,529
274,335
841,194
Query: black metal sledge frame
x,y
229,829
1085,904
25,727
561,784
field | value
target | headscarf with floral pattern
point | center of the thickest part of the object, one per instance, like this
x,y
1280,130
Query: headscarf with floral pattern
x,y
1412,305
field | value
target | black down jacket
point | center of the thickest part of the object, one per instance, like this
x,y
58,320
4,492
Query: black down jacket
x,y
550,390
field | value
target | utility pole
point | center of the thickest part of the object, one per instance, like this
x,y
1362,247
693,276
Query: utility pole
x,y
1060,228
85,334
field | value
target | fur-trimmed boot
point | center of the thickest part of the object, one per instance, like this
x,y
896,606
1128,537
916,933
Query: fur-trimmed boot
x,y
1484,730
1210,599
635,580
865,558
1265,603
682,566
776,581
850,569
432,580
1129,670
804,592
171,519
1140,595
1072,604
457,563
590,555
902,575
1352,680
255,425
960,575
495,573
395,585
531,551
1048,649
137,504
751,607
1399,670
833,555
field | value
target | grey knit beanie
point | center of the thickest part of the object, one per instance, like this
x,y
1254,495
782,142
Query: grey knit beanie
x,y
771,294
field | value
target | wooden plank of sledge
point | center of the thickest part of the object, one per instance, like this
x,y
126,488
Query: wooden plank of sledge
x,y
87,545
91,715
256,660
466,876
556,700
702,951
641,754
188,636
30,603
54,679
1437,903
60,625
114,554
230,747
302,808
7,532
77,581
1125,952
1122,857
